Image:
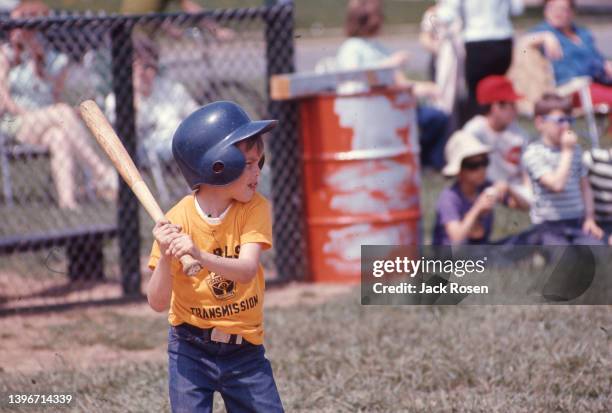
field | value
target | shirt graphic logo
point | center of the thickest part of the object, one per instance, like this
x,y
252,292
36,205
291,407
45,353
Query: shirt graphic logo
x,y
221,288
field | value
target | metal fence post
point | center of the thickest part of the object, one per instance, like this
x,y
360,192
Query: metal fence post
x,y
285,164
127,208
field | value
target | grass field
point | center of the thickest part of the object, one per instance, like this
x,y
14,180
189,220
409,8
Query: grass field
x,y
340,357
310,14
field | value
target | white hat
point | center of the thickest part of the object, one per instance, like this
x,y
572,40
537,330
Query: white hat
x,y
461,145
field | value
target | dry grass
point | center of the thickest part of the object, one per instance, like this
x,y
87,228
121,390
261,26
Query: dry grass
x,y
341,357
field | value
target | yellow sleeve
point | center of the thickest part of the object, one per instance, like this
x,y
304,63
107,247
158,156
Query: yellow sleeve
x,y
154,256
258,225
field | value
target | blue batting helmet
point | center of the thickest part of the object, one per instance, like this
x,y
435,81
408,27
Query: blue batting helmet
x,y
204,144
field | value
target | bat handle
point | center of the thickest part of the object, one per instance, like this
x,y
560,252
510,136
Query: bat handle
x,y
190,266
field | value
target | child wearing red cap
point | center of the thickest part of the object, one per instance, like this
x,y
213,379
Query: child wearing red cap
x,y
498,129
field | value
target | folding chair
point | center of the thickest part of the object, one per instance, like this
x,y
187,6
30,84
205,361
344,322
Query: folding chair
x,y
532,76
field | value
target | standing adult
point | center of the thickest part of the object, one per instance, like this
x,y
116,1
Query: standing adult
x,y
443,40
487,34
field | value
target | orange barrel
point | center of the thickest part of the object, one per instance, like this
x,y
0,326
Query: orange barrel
x,y
361,177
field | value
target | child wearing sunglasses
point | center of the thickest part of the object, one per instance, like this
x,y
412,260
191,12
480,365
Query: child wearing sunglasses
x,y
562,210
464,211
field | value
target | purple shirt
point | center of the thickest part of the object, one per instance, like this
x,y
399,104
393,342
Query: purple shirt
x,y
452,205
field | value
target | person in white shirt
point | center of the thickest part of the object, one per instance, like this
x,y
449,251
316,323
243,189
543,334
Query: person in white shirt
x,y
487,34
161,104
498,129
362,49
7,5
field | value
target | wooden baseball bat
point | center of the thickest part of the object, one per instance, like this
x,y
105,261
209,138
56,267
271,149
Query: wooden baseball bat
x,y
104,133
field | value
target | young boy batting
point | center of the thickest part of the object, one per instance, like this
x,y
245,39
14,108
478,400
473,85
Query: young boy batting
x,y
216,317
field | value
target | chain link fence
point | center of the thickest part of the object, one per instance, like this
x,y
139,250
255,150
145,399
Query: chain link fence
x,y
73,233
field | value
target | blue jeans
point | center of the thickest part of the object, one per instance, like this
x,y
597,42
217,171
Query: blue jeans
x,y
239,372
607,228
433,134
562,232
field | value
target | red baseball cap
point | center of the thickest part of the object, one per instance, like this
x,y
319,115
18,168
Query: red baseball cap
x,y
495,88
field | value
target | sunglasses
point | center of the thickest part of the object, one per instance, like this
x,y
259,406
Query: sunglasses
x,y
474,165
559,120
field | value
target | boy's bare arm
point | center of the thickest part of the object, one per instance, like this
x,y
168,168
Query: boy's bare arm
x,y
516,200
589,226
458,231
557,179
241,270
587,198
159,289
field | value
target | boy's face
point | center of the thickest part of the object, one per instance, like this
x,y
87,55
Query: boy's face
x,y
504,113
243,189
474,169
553,125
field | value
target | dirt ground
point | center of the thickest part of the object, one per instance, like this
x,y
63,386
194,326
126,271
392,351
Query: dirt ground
x,y
29,343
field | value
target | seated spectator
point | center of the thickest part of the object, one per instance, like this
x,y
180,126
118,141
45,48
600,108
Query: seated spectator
x,y
31,81
571,49
363,50
161,104
599,165
562,210
464,211
498,129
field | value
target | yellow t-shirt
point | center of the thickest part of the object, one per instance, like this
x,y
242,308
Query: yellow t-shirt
x,y
207,299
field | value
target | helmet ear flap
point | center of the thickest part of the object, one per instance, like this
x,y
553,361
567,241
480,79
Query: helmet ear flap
x,y
223,165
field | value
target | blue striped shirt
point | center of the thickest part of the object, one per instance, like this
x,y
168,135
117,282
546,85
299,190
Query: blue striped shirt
x,y
540,159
